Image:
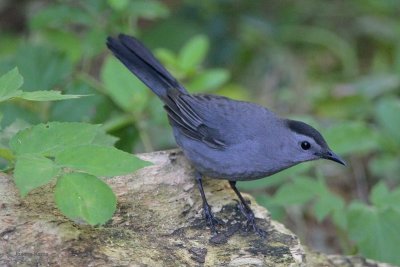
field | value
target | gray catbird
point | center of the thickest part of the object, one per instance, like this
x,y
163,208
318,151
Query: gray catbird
x,y
223,138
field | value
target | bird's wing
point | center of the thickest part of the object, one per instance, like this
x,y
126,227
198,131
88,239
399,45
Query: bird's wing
x,y
182,115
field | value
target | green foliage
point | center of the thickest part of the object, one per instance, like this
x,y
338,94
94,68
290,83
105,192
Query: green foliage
x,y
372,226
296,58
9,85
51,138
43,68
81,196
352,137
387,113
193,53
127,91
186,65
12,81
32,171
99,160
73,153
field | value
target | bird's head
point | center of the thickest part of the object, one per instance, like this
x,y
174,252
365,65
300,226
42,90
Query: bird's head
x,y
305,143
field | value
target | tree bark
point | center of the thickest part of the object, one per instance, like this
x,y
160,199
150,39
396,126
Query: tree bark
x,y
158,222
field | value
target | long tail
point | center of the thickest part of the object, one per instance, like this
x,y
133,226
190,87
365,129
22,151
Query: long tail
x,y
141,62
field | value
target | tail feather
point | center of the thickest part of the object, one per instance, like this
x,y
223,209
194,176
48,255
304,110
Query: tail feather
x,y
141,62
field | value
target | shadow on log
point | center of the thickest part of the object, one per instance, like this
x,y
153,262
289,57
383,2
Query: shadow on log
x,y
158,222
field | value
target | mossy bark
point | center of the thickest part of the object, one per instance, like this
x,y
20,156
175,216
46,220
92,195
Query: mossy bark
x,y
158,222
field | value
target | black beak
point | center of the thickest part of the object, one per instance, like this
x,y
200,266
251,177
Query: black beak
x,y
332,156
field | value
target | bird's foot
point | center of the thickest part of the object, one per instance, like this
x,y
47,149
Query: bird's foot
x,y
211,220
251,224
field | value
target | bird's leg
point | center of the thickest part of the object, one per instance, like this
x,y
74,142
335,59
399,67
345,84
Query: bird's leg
x,y
246,210
211,220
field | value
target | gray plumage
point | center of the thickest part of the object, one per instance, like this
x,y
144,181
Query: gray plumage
x,y
223,138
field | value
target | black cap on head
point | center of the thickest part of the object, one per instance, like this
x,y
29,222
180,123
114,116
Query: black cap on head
x,y
307,130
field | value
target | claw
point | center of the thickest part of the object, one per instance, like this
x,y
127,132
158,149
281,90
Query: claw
x,y
251,224
211,220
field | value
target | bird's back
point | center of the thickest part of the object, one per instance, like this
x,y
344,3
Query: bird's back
x,y
235,120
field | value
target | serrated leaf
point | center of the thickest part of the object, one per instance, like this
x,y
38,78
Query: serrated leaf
x,y
46,96
51,138
100,160
123,87
193,53
9,84
375,231
32,171
209,80
82,196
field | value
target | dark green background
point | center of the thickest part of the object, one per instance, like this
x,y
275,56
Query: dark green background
x,y
334,64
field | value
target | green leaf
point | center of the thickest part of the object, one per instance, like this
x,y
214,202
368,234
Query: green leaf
x,y
56,16
327,204
42,67
300,191
80,110
51,138
100,160
9,84
352,137
193,53
388,116
344,107
209,80
81,196
118,4
375,231
381,197
67,42
6,153
166,57
386,166
104,139
32,171
148,9
278,178
46,96
123,87
277,211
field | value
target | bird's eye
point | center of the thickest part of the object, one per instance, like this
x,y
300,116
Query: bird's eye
x,y
305,145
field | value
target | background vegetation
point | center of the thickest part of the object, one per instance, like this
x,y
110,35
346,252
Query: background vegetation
x,y
334,64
